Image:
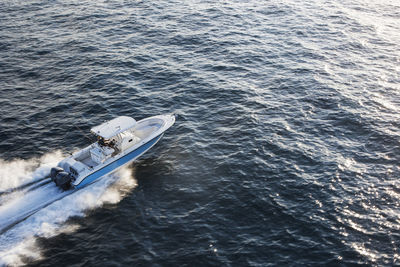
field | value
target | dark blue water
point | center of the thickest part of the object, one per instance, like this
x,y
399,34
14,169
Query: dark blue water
x,y
286,145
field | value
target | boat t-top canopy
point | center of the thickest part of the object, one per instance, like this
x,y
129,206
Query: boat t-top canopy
x,y
113,127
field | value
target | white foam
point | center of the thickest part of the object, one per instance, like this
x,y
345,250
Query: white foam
x,y
17,172
18,243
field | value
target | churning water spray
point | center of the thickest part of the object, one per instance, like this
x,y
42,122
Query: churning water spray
x,y
50,212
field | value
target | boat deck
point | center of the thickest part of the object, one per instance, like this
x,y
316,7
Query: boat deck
x,y
89,162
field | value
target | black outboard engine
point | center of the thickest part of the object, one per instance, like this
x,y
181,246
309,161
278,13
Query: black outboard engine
x,y
54,171
61,178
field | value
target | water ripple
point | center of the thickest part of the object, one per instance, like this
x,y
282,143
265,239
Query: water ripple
x,y
285,149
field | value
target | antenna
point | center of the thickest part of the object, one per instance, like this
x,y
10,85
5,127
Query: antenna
x,y
85,135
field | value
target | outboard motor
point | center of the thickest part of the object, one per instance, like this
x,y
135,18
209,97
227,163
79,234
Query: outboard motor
x,y
63,180
54,171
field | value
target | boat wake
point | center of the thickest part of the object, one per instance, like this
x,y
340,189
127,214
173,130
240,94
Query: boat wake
x,y
31,206
26,187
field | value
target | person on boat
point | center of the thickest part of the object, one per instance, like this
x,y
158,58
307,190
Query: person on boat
x,y
101,141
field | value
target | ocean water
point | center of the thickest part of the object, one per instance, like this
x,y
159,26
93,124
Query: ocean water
x,y
285,150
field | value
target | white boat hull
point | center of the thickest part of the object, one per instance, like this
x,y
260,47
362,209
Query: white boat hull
x,y
147,133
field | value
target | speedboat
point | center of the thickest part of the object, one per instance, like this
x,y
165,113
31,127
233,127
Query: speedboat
x,y
119,142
